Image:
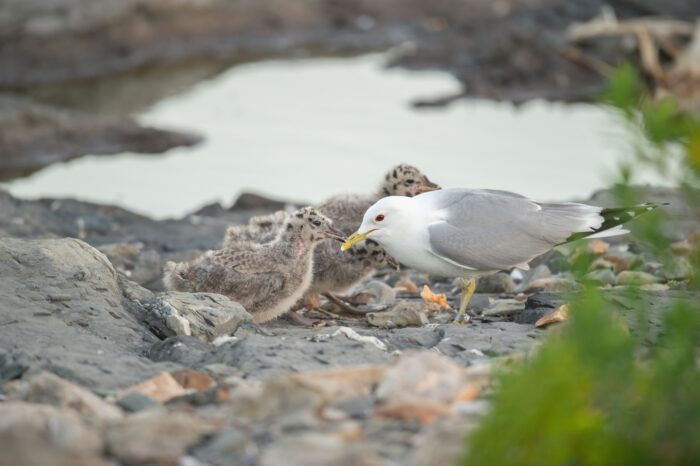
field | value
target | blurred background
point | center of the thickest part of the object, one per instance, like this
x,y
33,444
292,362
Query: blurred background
x,y
193,115
300,100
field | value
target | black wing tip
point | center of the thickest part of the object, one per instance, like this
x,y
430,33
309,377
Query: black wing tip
x,y
616,216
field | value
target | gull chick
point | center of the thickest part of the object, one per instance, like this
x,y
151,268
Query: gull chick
x,y
266,279
472,232
261,229
336,273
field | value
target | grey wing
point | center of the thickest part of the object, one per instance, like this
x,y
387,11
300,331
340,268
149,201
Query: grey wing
x,y
492,230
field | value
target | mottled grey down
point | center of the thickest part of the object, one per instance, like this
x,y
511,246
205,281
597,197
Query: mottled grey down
x,y
494,230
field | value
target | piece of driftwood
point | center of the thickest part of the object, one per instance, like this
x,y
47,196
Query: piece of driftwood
x,y
653,35
609,25
649,54
575,54
688,60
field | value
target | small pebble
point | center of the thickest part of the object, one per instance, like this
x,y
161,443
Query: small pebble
x,y
541,272
629,277
602,263
618,264
557,262
405,285
134,402
602,276
554,284
504,307
402,314
516,275
679,269
654,287
382,292
495,283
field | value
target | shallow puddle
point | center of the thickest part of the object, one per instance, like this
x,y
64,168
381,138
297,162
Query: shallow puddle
x,y
308,129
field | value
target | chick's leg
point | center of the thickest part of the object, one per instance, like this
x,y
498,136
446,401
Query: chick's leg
x,y
343,305
300,319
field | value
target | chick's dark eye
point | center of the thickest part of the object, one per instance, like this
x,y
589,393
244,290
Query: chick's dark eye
x,y
317,223
410,181
379,218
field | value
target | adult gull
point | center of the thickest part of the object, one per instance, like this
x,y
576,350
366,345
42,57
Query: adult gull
x,y
472,232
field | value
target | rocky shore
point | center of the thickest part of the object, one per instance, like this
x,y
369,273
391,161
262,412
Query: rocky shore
x,y
99,366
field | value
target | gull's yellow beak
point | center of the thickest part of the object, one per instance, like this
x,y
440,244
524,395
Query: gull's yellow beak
x,y
355,238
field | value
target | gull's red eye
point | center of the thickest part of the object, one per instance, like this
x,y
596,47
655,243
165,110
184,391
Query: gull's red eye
x,y
379,218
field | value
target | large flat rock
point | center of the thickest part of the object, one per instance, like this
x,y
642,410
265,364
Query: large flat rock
x,y
62,310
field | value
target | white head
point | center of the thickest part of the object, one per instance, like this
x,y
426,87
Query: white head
x,y
384,220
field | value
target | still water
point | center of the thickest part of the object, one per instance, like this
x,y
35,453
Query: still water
x,y
308,129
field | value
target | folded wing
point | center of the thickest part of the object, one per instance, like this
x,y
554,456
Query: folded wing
x,y
494,230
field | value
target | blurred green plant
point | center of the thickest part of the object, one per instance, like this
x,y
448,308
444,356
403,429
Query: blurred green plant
x,y
665,140
664,136
607,387
588,398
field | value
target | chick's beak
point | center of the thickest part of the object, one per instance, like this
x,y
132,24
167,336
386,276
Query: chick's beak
x,y
428,186
355,238
334,234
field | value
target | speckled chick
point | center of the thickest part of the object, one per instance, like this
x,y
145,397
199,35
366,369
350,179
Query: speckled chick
x,y
267,279
334,274
261,229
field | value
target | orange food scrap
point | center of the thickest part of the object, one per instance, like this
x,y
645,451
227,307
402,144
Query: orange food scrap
x,y
598,247
560,314
425,412
469,392
439,299
687,245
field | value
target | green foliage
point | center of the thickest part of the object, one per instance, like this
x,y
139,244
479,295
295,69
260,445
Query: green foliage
x,y
665,140
624,90
607,387
664,134
586,398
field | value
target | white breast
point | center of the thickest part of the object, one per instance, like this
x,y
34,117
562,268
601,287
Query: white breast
x,y
410,245
415,252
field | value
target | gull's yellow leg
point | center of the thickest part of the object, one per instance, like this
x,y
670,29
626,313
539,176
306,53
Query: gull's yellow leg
x,y
468,287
